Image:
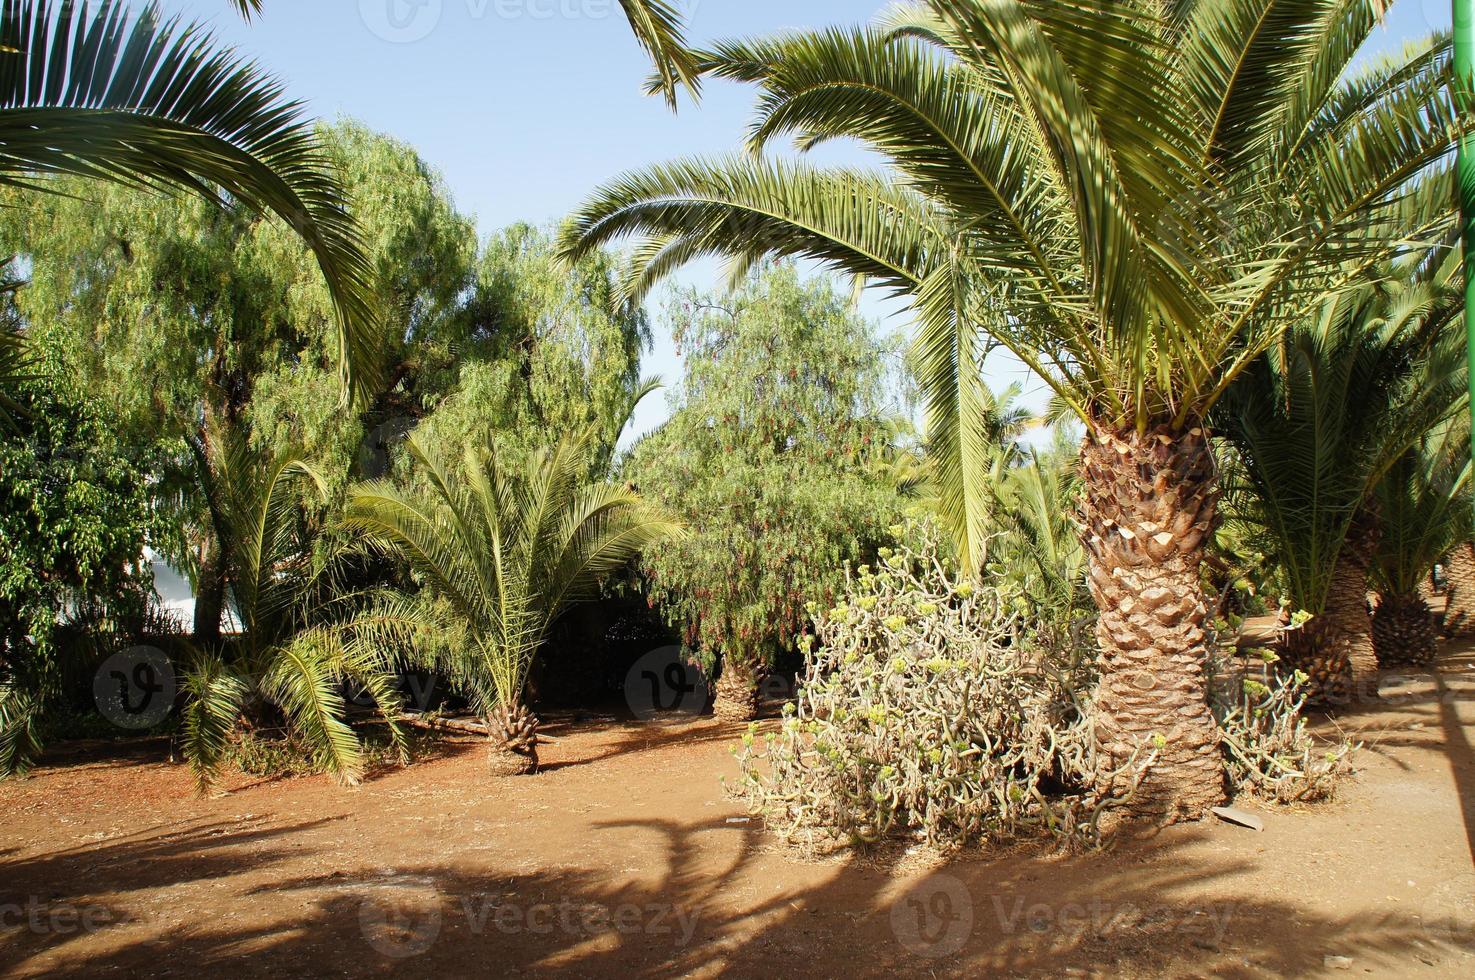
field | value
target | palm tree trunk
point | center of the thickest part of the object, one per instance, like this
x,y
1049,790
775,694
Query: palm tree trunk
x,y
1459,573
1346,614
1403,631
1150,505
737,691
514,741
209,595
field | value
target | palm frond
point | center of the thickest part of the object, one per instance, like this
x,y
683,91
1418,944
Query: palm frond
x,y
89,91
214,699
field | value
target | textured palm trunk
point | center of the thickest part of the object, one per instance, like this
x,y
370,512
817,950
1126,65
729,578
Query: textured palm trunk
x,y
1347,615
1403,632
514,741
1149,508
1459,573
737,692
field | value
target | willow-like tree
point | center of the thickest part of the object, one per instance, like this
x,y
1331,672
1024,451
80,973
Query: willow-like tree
x,y
1135,198
768,457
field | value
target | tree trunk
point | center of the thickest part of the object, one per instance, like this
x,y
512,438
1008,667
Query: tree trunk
x,y
1403,632
513,749
1150,505
1459,574
737,692
1322,651
209,595
1347,615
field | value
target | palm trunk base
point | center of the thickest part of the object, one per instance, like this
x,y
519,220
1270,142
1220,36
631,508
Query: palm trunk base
x,y
1459,574
514,741
737,694
1403,632
1346,613
1149,506
1320,651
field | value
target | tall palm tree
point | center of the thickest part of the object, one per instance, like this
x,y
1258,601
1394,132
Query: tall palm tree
x,y
1135,198
502,554
90,91
1425,502
1318,420
287,653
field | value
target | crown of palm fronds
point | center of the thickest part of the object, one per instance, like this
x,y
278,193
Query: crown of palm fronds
x,y
1424,503
1135,198
1320,418
502,553
88,91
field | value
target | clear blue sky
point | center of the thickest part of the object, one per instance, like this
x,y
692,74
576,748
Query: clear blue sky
x,y
525,105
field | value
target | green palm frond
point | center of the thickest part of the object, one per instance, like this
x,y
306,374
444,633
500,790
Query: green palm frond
x,y
1424,503
503,552
20,738
658,27
88,91
303,681
214,697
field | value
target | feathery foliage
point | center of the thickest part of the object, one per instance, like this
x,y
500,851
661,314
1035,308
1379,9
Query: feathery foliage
x,y
89,91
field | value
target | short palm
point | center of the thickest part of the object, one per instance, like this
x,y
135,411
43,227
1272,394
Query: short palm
x,y
287,653
502,552
1135,198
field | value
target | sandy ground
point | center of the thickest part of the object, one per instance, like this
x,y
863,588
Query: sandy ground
x,y
623,858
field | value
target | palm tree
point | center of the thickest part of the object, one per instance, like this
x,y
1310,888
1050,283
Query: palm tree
x,y
502,554
88,91
287,653
1317,421
1424,502
1459,580
1134,198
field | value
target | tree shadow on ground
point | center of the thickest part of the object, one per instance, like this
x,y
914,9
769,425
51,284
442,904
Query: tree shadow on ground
x,y
1136,911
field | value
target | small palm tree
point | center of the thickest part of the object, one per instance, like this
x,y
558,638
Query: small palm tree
x,y
1424,502
287,654
88,91
502,552
1317,421
1135,198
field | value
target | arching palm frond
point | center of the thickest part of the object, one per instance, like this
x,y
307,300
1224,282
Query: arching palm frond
x,y
658,27
1425,503
88,91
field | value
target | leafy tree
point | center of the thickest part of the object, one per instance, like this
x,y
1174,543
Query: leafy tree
x,y
557,350
123,282
1317,421
72,519
91,93
501,552
768,456
1136,199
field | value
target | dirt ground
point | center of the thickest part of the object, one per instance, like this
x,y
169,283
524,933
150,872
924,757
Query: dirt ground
x,y
623,858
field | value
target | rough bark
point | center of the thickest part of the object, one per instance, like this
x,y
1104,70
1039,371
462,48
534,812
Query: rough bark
x,y
1459,574
1149,507
737,692
1403,632
513,749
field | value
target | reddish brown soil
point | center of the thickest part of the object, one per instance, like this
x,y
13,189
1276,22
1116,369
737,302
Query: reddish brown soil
x,y
623,858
